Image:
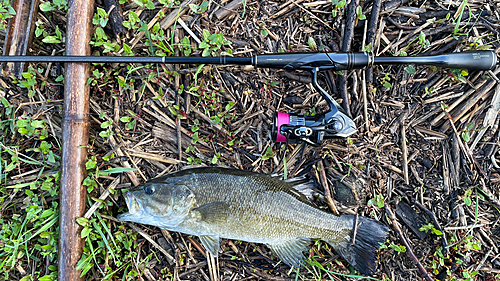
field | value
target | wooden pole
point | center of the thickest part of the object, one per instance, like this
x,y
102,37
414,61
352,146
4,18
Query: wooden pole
x,y
75,138
19,35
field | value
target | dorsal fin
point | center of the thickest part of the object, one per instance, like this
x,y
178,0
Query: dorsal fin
x,y
303,185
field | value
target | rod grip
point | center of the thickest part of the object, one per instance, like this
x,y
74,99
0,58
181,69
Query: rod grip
x,y
476,60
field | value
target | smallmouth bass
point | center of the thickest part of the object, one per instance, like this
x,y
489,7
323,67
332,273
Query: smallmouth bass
x,y
214,203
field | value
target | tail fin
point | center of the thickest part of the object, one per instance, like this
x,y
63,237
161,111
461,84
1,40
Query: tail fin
x,y
362,255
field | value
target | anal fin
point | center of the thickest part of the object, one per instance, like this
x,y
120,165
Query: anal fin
x,y
291,252
211,244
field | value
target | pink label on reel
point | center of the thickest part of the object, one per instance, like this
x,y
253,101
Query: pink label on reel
x,y
283,119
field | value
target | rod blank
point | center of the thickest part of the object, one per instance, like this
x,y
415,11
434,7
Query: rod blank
x,y
472,60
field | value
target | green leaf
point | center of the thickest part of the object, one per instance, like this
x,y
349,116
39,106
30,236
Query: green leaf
x,y
410,69
115,171
466,136
91,164
198,71
312,43
125,119
467,201
214,159
133,17
437,231
47,278
106,124
26,278
46,213
426,228
51,40
85,232
269,153
27,75
38,124
45,146
380,203
359,11
126,48
5,102
46,7
58,33
82,221
195,137
100,34
229,105
206,33
130,125
104,134
206,52
102,13
204,6
11,11
421,37
470,126
194,8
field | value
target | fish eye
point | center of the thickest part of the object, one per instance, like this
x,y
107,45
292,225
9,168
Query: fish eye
x,y
149,190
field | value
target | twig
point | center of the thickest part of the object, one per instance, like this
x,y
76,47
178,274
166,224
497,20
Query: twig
x,y
188,30
490,117
285,8
312,15
409,251
365,102
404,39
451,228
446,169
177,98
346,47
457,102
228,9
484,259
405,153
324,182
470,103
152,156
400,26
485,236
489,269
103,197
170,259
370,35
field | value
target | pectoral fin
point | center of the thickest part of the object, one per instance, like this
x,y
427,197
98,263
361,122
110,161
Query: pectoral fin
x,y
211,244
213,213
291,252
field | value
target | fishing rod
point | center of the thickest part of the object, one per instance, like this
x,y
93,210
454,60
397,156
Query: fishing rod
x,y
297,127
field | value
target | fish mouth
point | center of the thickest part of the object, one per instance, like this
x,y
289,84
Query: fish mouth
x,y
134,209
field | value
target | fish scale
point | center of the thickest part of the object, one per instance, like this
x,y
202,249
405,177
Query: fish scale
x,y
214,203
264,200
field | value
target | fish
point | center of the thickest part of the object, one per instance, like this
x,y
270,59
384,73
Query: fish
x,y
214,203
